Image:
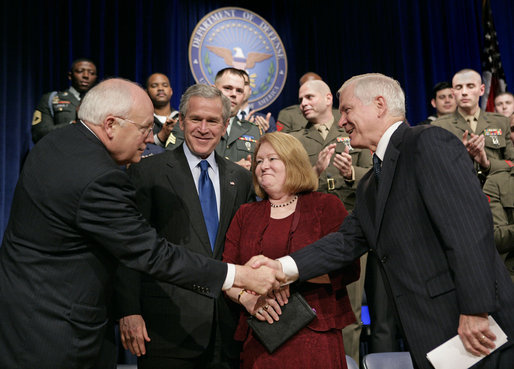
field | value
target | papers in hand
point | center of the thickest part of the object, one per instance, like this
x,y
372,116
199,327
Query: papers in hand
x,y
453,355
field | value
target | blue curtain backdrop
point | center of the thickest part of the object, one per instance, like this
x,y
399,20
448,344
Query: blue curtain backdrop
x,y
417,42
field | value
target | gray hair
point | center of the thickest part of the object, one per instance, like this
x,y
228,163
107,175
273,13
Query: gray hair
x,y
207,92
110,97
370,85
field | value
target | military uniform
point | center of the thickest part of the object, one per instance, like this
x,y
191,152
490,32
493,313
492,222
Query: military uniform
x,y
494,127
499,189
331,181
55,109
241,141
291,119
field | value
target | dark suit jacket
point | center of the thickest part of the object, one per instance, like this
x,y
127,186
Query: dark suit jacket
x,y
431,228
179,321
73,214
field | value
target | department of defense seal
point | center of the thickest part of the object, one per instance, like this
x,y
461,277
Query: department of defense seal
x,y
239,38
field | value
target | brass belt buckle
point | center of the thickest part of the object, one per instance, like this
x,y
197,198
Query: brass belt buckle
x,y
331,183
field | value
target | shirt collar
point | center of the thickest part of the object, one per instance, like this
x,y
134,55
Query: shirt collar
x,y
469,117
74,92
193,160
90,130
384,140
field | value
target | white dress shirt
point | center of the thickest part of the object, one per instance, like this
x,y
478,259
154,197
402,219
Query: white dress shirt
x,y
213,171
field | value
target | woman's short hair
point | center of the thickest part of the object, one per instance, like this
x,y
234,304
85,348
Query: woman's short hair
x,y
300,176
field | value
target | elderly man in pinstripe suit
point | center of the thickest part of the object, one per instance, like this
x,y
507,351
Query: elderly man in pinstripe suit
x,y
422,214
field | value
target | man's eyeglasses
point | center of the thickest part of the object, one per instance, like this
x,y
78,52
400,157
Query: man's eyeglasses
x,y
145,130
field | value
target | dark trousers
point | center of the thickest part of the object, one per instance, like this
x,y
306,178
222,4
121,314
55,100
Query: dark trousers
x,y
213,357
383,325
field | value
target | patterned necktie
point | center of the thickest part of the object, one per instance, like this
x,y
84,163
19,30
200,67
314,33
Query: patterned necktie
x,y
208,202
243,115
377,166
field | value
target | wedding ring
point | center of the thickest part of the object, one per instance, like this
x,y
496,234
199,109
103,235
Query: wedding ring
x,y
266,307
482,339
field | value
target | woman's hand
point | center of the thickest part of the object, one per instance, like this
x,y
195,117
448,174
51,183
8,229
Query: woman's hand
x,y
262,307
281,295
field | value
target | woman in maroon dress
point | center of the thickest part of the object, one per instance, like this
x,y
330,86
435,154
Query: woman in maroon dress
x,y
290,217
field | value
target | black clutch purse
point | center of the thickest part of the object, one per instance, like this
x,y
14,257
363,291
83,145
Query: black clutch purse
x,y
296,314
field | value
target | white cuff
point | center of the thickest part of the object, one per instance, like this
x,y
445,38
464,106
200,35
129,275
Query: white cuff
x,y
229,279
289,268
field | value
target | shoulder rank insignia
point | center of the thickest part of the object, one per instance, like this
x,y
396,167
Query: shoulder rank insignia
x,y
36,118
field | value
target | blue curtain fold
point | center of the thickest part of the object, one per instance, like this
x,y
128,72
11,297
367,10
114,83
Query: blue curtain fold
x,y
417,42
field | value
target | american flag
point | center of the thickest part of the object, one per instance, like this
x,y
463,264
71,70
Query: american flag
x,y
492,69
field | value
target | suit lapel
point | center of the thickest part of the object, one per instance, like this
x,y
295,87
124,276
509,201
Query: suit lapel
x,y
184,187
461,123
333,133
312,133
228,191
481,123
387,174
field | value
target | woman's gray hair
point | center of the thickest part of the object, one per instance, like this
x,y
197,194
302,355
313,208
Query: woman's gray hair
x,y
110,97
370,85
207,92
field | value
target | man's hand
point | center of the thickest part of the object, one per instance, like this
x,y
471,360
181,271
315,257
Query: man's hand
x,y
133,334
166,129
324,157
476,148
262,122
475,334
260,280
246,162
343,162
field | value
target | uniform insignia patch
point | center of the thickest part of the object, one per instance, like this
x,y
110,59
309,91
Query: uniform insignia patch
x,y
345,140
36,118
247,138
493,132
171,139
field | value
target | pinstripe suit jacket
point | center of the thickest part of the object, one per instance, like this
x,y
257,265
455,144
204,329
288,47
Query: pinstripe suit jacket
x,y
430,226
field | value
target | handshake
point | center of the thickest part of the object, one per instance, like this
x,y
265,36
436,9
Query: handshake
x,y
260,275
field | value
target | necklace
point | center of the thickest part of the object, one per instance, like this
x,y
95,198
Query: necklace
x,y
284,204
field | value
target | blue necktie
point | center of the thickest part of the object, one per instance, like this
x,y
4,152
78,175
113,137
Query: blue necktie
x,y
377,166
208,202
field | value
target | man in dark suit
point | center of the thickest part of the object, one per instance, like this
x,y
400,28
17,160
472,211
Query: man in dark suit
x,y
187,330
422,214
73,216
